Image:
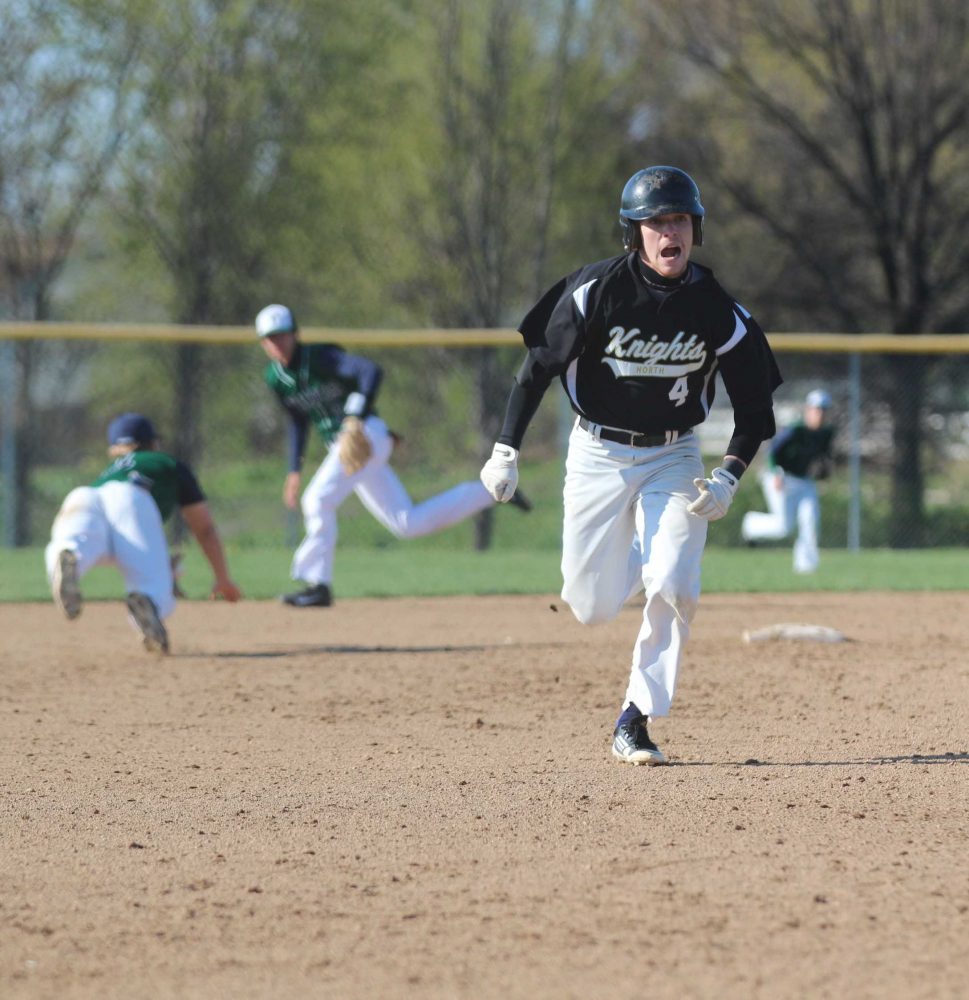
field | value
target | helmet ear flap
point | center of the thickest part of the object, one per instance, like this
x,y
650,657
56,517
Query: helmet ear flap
x,y
698,230
630,234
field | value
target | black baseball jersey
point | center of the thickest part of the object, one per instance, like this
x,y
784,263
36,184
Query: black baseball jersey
x,y
636,353
802,451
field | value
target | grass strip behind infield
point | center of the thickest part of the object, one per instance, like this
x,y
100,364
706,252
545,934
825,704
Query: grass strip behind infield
x,y
405,570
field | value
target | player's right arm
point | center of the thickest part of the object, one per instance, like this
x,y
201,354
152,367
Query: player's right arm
x,y
298,430
552,331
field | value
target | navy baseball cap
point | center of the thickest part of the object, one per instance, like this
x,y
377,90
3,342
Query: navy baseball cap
x,y
131,428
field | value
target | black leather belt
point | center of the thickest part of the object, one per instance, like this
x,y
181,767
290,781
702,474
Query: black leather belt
x,y
631,438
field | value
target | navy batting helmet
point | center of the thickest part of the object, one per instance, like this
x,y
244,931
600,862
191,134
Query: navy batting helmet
x,y
659,191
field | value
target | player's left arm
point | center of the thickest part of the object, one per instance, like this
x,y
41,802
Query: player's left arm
x,y
365,375
198,517
750,376
196,514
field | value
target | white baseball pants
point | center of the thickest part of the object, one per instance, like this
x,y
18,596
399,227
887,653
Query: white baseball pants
x,y
116,524
795,504
627,529
384,496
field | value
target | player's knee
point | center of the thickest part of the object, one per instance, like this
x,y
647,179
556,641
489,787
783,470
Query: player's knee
x,y
682,597
589,610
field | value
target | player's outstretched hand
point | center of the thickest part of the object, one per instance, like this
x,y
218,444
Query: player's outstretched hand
x,y
500,473
226,589
716,493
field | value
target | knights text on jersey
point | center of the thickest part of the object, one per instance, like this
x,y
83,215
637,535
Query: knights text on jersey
x,y
639,361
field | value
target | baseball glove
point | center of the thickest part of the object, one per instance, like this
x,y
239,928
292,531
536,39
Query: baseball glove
x,y
354,445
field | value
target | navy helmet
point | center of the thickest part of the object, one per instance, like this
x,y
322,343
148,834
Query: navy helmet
x,y
131,428
659,191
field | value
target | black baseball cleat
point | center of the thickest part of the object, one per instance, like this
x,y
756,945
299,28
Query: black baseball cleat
x,y
520,501
317,595
631,744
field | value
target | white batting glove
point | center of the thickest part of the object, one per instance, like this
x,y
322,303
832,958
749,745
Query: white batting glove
x,y
715,495
500,473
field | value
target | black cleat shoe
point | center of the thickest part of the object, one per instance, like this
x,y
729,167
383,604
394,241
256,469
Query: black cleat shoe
x,y
64,584
520,501
145,616
632,745
316,596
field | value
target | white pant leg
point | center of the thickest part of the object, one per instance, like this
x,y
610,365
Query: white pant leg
x,y
806,554
138,544
778,522
116,524
82,527
383,494
671,542
600,566
326,491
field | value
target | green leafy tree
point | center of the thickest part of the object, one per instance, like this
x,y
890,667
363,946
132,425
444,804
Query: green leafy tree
x,y
64,113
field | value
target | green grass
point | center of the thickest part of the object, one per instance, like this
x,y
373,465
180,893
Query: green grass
x,y
401,569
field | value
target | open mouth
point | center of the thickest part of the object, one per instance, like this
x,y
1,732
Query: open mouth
x,y
670,253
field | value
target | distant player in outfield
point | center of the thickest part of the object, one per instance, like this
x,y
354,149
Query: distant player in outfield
x,y
118,521
322,385
798,456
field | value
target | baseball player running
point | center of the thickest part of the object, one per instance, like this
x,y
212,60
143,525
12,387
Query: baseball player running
x,y
118,521
322,384
637,341
799,455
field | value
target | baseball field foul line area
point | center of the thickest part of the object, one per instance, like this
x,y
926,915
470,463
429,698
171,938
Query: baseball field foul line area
x,y
416,798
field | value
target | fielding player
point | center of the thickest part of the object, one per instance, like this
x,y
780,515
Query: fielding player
x,y
637,341
798,456
323,385
117,521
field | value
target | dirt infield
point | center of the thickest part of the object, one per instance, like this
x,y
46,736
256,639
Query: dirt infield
x,y
414,798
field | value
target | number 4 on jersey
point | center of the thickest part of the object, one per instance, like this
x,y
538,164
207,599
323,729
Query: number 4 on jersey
x,y
680,391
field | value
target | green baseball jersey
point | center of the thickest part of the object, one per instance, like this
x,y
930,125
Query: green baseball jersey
x,y
169,481
320,386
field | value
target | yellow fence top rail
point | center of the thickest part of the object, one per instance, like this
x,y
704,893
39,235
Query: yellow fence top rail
x,y
841,343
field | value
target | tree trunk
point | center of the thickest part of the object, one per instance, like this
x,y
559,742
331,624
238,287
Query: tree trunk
x,y
907,525
24,450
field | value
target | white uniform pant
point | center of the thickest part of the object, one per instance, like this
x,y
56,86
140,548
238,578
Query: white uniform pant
x,y
116,524
627,529
383,494
794,504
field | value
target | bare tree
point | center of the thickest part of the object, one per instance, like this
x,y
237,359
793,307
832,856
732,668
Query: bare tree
x,y
64,112
510,103
841,127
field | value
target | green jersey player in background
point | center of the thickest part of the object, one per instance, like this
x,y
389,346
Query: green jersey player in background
x,y
323,386
118,521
